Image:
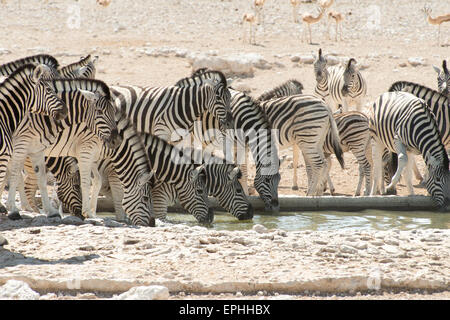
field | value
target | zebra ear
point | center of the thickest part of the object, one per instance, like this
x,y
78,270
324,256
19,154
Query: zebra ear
x,y
437,69
234,174
196,172
90,96
40,71
229,82
95,60
81,71
351,64
144,178
444,66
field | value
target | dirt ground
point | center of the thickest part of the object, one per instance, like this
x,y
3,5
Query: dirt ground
x,y
378,34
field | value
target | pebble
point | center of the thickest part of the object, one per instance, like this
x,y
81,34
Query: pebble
x,y
347,249
72,220
259,228
3,241
17,290
144,293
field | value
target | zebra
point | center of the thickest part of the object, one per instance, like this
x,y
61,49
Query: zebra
x,y
252,131
84,68
342,86
45,59
403,123
443,79
21,92
439,105
302,122
164,111
353,127
67,176
129,161
287,88
35,133
221,182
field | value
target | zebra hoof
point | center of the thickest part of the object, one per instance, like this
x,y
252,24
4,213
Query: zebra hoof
x,y
14,216
390,192
3,241
295,188
152,222
3,209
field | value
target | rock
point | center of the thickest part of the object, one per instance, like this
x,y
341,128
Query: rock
x,y
347,249
4,51
295,58
40,220
130,241
17,290
416,61
307,59
3,241
112,224
87,248
259,228
72,220
144,293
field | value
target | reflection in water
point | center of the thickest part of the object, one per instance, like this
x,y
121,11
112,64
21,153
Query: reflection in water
x,y
328,220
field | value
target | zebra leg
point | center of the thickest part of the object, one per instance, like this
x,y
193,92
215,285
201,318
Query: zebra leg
x,y
24,204
116,195
296,154
330,183
3,169
38,161
400,149
417,173
85,167
367,167
378,179
30,184
96,186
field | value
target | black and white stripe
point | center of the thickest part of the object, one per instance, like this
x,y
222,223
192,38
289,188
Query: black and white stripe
x,y
403,123
24,91
288,88
84,68
341,86
303,122
443,79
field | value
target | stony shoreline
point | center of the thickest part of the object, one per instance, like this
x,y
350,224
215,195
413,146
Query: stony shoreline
x,y
54,255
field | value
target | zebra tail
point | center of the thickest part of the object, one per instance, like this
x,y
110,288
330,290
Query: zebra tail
x,y
336,140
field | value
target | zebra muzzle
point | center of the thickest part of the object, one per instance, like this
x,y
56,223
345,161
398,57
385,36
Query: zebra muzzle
x,y
61,114
114,140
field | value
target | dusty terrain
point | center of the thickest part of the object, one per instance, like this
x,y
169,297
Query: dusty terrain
x,y
139,42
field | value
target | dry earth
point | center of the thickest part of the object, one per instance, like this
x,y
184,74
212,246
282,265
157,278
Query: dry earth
x,y
149,43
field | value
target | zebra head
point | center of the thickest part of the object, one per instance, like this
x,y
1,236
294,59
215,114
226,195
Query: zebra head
x,y
267,187
69,191
221,108
229,193
139,204
443,79
44,99
438,182
193,195
320,68
102,117
350,77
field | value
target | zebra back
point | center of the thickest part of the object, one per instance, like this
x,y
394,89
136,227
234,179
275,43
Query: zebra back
x,y
438,103
48,60
84,68
287,88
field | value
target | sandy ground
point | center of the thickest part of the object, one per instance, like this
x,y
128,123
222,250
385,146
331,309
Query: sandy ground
x,y
375,33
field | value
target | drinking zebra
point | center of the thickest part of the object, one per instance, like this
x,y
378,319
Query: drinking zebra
x,y
402,123
252,131
342,86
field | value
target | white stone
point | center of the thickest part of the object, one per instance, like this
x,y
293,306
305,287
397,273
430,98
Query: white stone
x,y
17,290
416,61
259,228
145,293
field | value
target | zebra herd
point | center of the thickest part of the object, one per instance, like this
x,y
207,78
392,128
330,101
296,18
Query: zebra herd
x,y
128,142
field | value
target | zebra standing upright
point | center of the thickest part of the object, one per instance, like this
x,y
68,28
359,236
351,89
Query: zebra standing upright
x,y
402,123
303,122
36,132
24,91
354,133
443,79
52,65
252,131
343,86
288,88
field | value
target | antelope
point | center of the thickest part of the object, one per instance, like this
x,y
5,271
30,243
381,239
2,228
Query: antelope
x,y
338,18
250,19
295,4
258,7
309,19
104,3
438,20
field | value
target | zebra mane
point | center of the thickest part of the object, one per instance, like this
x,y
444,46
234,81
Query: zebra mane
x,y
75,65
257,106
81,83
199,73
399,85
270,94
8,68
444,66
26,68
